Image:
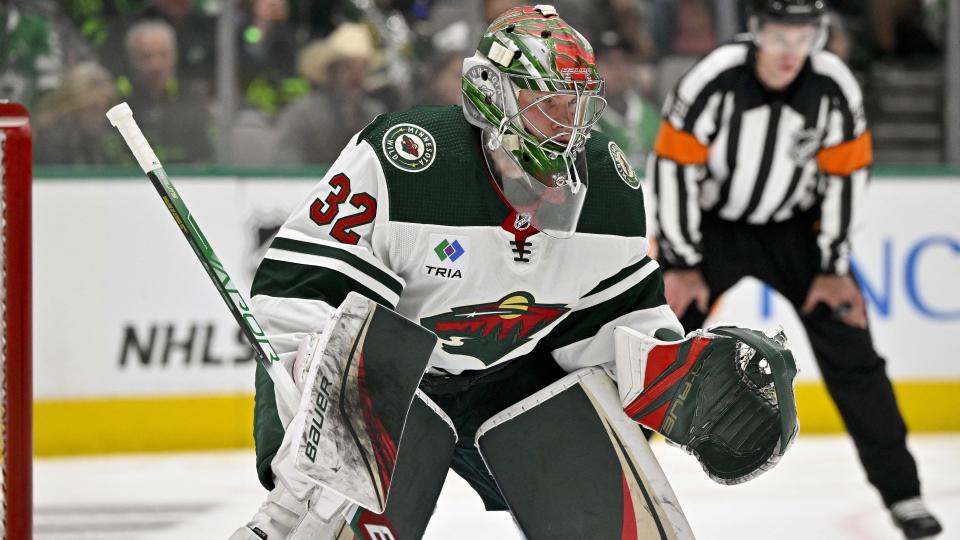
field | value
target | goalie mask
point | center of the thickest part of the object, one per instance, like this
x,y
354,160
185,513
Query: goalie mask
x,y
534,90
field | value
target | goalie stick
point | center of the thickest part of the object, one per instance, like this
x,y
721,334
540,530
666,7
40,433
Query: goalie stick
x,y
121,117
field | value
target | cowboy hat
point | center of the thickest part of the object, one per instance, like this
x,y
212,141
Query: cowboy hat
x,y
349,40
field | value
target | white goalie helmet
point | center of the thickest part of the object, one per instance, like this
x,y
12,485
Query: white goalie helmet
x,y
531,64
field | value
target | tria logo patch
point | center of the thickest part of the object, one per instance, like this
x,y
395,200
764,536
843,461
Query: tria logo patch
x,y
489,331
449,250
448,256
409,147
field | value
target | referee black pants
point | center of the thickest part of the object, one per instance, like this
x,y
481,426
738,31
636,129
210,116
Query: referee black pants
x,y
786,257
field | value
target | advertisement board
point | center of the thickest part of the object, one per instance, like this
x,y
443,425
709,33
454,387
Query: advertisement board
x,y
126,321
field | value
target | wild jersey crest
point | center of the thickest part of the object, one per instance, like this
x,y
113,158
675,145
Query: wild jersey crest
x,y
409,147
622,166
490,331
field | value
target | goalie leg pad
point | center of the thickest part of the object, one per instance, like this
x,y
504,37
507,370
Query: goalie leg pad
x,y
358,391
422,464
571,464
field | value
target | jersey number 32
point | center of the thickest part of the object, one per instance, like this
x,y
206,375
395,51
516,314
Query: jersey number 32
x,y
324,212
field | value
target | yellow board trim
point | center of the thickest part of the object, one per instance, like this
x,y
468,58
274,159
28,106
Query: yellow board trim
x,y
142,424
927,406
158,424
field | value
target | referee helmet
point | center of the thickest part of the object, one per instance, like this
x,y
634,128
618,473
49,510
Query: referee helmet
x,y
789,11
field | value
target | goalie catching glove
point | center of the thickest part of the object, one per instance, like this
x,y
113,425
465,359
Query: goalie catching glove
x,y
723,394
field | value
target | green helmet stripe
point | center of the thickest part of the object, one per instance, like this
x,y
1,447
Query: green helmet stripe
x,y
539,71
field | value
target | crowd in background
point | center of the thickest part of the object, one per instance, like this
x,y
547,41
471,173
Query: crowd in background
x,y
311,73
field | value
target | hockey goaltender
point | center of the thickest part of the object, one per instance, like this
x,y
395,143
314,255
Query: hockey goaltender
x,y
470,288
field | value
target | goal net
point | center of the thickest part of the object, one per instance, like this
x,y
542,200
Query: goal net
x,y
15,342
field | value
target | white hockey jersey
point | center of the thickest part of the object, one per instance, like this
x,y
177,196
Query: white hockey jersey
x,y
409,216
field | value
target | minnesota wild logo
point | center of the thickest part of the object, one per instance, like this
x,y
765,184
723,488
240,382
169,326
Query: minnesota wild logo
x,y
622,165
492,330
409,147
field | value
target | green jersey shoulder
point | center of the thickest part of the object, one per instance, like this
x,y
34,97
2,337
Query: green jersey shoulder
x,y
614,202
436,173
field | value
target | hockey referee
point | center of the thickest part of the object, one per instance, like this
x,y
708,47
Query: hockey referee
x,y
759,169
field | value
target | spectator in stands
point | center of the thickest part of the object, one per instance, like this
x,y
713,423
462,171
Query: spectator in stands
x,y
267,56
196,48
443,78
838,40
493,8
315,20
175,119
630,119
898,28
30,53
684,27
628,20
69,121
74,46
316,127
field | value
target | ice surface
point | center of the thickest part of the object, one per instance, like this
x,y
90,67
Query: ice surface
x,y
818,491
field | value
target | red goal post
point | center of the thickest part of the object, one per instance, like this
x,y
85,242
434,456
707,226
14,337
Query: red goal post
x,y
15,338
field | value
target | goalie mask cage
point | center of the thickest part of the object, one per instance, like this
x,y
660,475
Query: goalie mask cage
x,y
16,445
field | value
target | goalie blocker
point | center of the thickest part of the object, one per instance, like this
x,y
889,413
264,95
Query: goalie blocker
x,y
723,394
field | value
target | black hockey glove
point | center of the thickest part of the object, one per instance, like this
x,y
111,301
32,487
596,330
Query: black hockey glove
x,y
724,394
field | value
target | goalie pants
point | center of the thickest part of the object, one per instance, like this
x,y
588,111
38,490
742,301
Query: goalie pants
x,y
472,398
786,257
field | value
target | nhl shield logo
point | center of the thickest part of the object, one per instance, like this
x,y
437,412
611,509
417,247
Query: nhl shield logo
x,y
522,221
622,165
806,143
409,147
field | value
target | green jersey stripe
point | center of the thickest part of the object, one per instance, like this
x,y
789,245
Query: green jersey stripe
x,y
330,252
336,266
584,323
618,277
285,279
617,288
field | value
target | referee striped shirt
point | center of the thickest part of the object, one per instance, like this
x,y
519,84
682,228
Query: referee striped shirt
x,y
730,147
